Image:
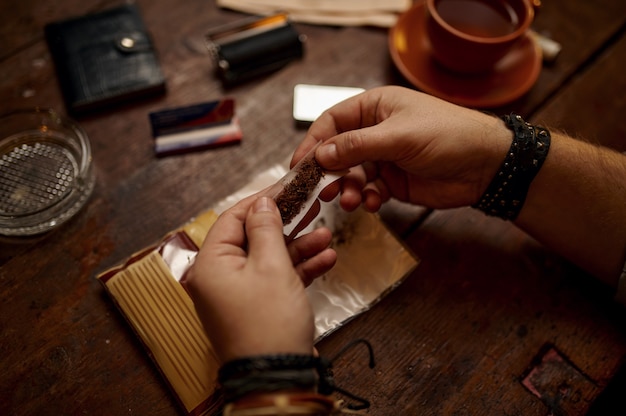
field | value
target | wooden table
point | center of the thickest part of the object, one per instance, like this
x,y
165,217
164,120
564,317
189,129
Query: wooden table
x,y
489,323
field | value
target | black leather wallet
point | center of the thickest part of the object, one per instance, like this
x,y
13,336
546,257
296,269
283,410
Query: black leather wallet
x,y
104,58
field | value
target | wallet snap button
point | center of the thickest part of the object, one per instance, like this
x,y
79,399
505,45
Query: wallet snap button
x,y
127,43
132,42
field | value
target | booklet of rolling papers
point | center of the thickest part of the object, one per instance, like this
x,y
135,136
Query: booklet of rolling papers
x,y
146,290
195,127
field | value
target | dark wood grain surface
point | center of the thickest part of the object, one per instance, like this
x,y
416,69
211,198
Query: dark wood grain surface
x,y
488,313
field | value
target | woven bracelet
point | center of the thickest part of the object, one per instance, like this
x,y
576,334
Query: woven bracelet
x,y
507,192
268,380
284,372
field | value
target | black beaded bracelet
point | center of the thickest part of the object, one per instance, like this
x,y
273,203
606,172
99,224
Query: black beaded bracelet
x,y
507,192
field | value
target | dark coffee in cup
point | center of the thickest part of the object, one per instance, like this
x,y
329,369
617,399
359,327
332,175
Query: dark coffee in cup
x,y
471,36
482,18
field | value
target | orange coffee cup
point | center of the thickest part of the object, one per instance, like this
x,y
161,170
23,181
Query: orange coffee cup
x,y
471,36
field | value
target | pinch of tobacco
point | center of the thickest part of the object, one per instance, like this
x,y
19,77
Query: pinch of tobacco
x,y
292,198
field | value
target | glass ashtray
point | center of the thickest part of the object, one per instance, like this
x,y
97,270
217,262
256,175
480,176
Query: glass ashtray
x,y
45,171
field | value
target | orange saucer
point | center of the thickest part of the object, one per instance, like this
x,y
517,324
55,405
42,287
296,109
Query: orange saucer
x,y
514,75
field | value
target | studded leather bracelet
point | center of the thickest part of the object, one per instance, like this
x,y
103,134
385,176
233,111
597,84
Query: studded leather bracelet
x,y
507,192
